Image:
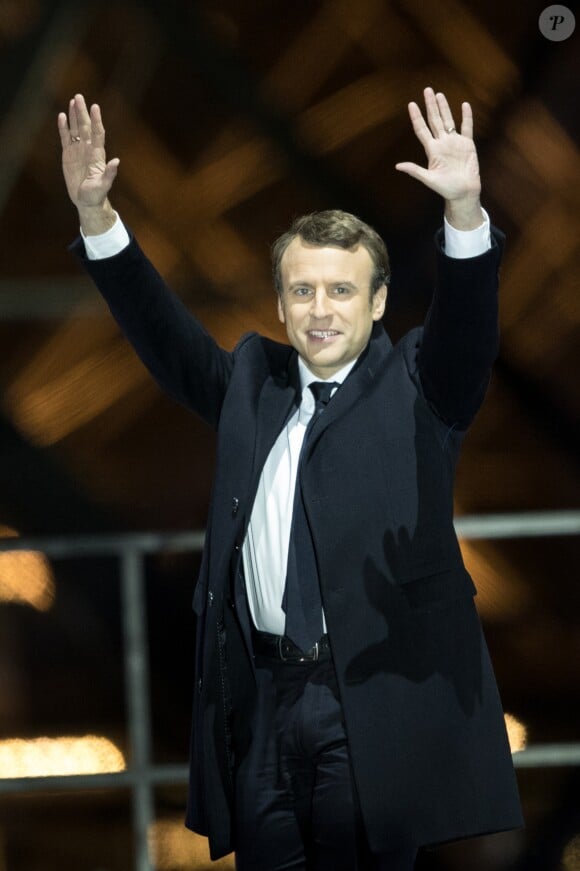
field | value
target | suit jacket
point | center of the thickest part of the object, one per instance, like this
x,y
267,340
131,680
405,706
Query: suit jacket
x,y
425,727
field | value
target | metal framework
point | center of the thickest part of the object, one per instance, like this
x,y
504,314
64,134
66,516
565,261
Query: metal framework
x,y
142,774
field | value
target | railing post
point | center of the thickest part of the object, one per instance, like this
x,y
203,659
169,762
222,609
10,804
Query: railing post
x,y
136,659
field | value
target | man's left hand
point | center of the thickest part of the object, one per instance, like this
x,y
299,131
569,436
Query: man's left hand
x,y
452,165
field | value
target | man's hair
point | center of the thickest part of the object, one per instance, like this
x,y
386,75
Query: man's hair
x,y
334,227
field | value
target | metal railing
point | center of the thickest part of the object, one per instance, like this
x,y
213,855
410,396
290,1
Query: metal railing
x,y
142,775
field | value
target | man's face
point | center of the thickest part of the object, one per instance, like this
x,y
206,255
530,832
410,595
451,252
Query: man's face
x,y
326,304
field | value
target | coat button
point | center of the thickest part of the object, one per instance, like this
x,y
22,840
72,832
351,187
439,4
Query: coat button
x,y
237,548
235,506
210,598
199,684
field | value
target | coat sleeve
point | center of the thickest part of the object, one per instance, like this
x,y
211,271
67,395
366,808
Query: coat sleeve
x,y
461,336
182,357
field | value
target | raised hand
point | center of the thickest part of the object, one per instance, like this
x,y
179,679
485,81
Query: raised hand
x,y
87,174
452,167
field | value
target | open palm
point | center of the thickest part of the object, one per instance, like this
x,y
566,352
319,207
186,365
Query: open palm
x,y
452,166
88,175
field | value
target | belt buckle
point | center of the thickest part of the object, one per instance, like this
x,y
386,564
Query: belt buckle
x,y
312,656
315,652
304,657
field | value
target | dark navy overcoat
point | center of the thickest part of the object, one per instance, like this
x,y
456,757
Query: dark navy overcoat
x,y
424,721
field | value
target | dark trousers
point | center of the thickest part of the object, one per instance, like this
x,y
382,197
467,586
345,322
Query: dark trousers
x,y
296,809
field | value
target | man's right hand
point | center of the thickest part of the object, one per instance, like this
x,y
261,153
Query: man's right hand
x,y
88,175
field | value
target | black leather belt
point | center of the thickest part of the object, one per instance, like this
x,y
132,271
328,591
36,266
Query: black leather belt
x,y
281,648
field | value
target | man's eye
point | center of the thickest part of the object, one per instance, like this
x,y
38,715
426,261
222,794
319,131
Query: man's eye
x,y
301,291
341,290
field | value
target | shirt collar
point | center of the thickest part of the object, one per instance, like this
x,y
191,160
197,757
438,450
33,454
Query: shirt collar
x,y
307,377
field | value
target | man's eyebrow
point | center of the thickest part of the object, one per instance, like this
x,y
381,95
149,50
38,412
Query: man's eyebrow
x,y
299,283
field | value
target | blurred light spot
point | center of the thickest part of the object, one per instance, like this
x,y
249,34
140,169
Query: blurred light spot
x,y
25,576
175,848
517,733
50,757
45,404
571,855
463,39
501,595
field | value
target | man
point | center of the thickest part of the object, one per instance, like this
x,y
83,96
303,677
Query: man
x,y
345,709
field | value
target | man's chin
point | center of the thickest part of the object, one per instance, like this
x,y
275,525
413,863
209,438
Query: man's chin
x,y
324,365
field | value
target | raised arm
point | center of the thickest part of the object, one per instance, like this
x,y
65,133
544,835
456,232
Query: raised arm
x,y
460,336
182,357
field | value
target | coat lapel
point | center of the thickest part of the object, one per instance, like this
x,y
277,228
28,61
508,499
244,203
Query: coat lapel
x,y
359,381
276,403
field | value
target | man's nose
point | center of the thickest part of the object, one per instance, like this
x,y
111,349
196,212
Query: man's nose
x,y
320,305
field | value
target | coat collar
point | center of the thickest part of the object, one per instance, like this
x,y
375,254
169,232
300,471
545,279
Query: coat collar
x,y
360,380
281,391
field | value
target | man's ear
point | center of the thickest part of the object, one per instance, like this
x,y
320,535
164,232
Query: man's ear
x,y
281,315
379,302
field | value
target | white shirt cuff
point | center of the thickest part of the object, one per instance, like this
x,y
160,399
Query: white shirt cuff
x,y
467,243
107,244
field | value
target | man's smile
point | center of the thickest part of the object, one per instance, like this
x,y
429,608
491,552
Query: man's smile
x,y
322,335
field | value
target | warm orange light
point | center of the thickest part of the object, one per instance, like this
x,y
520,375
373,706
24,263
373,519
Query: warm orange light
x,y
50,757
501,595
25,576
44,398
175,848
517,733
571,855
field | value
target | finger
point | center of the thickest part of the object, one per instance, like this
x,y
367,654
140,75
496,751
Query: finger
x,y
445,113
97,128
422,132
466,120
63,129
72,118
433,113
83,117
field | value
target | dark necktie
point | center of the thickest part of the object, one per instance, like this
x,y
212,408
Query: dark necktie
x,y
302,602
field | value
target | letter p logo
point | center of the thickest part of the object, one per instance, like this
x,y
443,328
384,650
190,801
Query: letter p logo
x,y
557,23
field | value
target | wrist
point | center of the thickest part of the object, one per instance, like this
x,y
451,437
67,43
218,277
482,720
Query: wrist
x,y
95,220
465,213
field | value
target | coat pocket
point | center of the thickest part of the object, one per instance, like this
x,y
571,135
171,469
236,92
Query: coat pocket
x,y
436,589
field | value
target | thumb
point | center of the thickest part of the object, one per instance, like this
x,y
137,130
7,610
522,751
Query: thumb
x,y
414,170
110,172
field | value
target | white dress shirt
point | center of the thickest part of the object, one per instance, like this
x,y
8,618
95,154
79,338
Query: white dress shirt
x,y
265,548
